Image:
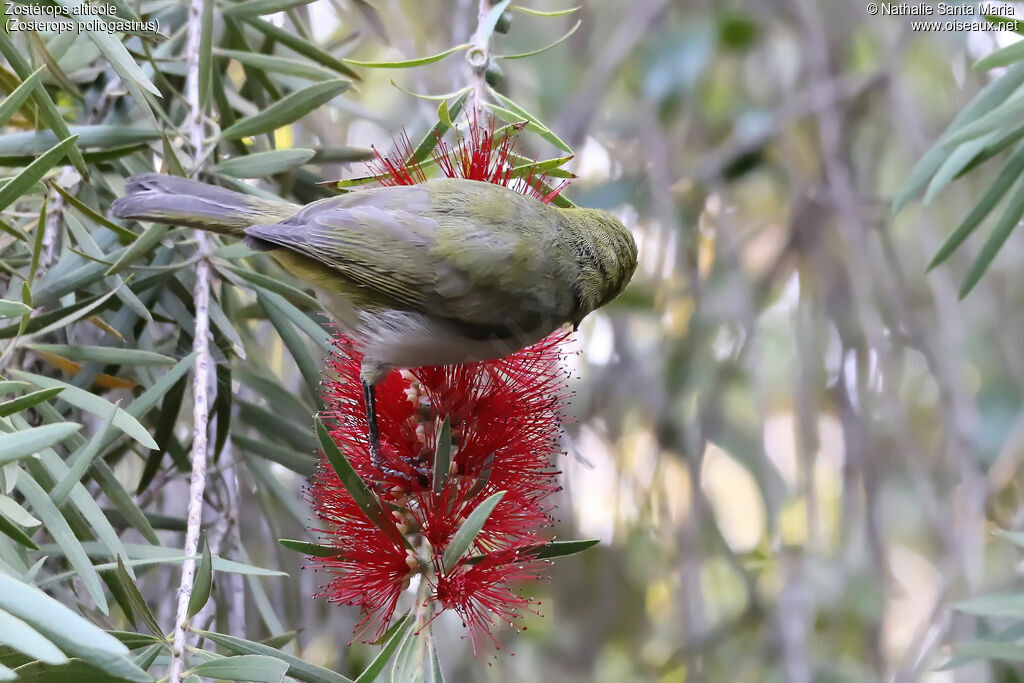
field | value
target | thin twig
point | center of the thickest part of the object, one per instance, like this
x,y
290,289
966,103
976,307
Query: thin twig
x,y
479,56
200,345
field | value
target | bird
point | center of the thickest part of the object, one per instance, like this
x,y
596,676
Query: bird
x,y
446,271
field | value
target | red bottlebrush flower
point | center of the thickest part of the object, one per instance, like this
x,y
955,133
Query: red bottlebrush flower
x,y
505,423
486,155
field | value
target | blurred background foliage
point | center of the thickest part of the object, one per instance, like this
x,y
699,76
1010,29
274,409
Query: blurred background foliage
x,y
798,449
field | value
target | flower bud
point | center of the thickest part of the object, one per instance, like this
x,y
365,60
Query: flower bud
x,y
504,23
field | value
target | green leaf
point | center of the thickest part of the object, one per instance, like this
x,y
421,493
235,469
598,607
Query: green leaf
x,y
80,461
258,668
539,13
91,403
16,405
302,321
277,64
287,110
19,635
171,159
429,141
302,47
37,250
98,136
1013,170
992,94
300,463
516,113
94,215
443,454
1004,226
374,668
297,668
467,533
143,246
13,309
261,7
111,47
954,163
436,675
64,537
11,516
308,368
106,355
57,623
145,555
531,53
1015,537
23,443
308,548
205,54
293,294
353,483
1001,118
408,667
406,63
1012,652
13,102
993,605
562,548
263,164
16,187
203,583
1004,56
48,111
138,602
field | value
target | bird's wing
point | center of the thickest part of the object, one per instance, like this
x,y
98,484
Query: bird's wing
x,y
403,246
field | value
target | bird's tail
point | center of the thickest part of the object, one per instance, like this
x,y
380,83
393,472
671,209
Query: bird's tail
x,y
179,201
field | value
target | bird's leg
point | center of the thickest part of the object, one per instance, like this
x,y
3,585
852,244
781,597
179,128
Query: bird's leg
x,y
373,430
370,396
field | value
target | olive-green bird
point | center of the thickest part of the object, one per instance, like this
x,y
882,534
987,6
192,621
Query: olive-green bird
x,y
446,271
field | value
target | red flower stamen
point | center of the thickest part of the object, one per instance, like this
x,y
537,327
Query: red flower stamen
x,y
505,421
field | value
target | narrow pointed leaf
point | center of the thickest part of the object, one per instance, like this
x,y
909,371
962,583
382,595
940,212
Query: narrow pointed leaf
x,y
25,639
989,97
81,460
442,454
1013,170
14,188
297,668
257,668
374,668
94,404
262,164
13,102
349,478
556,43
138,601
106,355
203,583
23,443
64,537
287,110
308,548
16,405
277,64
406,63
13,309
1004,226
539,13
467,533
302,47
